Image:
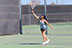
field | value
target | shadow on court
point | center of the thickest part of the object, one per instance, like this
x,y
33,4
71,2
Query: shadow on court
x,y
30,43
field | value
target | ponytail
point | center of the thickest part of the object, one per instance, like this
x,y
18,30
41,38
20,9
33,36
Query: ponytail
x,y
45,18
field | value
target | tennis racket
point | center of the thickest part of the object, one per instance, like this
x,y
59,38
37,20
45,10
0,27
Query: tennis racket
x,y
33,3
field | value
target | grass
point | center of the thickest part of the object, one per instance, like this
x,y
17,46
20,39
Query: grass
x,y
32,35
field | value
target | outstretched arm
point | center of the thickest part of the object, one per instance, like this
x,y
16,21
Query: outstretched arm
x,y
35,15
49,24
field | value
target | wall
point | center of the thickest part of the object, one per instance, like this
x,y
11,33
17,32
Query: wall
x,y
9,17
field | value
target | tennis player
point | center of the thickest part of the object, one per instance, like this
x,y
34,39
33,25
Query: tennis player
x,y
43,21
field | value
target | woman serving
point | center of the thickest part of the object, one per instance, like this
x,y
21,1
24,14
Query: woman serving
x,y
43,21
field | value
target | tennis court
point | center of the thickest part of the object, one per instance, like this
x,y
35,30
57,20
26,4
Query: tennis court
x,y
60,28
32,38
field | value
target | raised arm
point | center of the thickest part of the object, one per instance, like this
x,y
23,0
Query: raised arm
x,y
49,24
35,15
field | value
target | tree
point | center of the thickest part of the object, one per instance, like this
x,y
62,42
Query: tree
x,y
53,3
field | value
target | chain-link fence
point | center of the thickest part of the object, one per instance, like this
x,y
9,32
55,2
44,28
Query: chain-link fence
x,y
62,13
60,16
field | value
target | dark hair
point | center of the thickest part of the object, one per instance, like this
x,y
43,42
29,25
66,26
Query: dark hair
x,y
45,17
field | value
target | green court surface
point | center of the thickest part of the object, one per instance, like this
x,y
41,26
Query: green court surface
x,y
60,28
32,38
34,41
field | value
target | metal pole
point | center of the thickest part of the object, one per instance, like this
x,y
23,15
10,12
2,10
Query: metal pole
x,y
45,12
20,19
45,6
62,2
56,2
29,16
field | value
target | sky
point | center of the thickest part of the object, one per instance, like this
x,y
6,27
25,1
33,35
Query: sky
x,y
66,2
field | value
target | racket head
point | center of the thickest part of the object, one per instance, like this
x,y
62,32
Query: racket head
x,y
33,3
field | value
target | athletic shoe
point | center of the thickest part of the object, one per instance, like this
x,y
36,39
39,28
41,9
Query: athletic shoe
x,y
45,43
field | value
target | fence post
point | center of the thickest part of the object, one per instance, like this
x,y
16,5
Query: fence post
x,y
20,19
45,13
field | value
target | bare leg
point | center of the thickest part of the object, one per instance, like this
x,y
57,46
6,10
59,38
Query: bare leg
x,y
44,36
